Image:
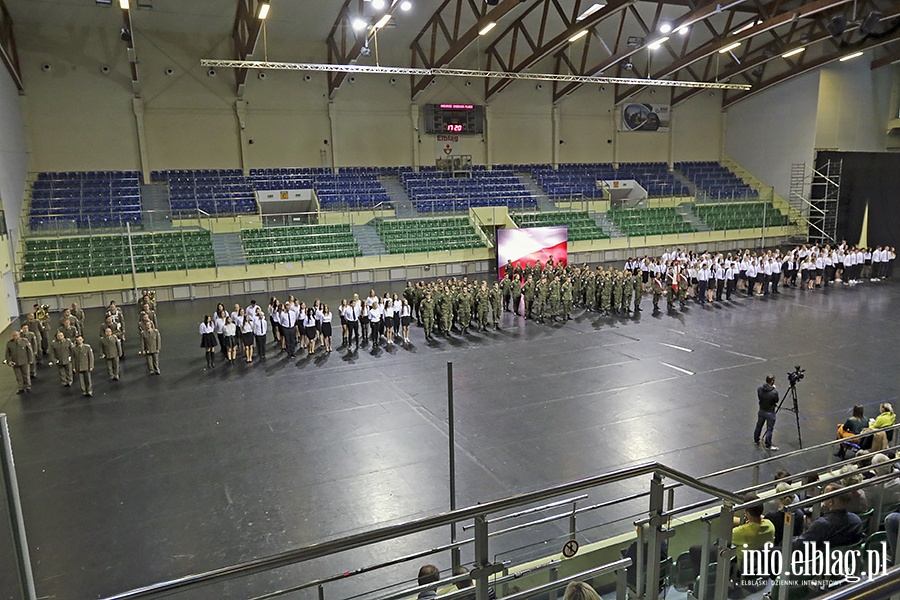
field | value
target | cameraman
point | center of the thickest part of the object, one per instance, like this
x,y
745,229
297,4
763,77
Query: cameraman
x,y
768,401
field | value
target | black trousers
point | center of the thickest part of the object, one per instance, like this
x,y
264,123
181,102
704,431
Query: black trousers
x,y
701,291
776,277
352,331
730,285
720,287
260,345
290,340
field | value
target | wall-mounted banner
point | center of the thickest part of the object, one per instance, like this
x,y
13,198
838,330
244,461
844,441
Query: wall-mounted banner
x,y
445,145
645,117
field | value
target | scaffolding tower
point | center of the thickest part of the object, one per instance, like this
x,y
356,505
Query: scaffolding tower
x,y
815,197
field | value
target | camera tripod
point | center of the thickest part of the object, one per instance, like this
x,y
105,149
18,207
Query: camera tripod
x,y
795,408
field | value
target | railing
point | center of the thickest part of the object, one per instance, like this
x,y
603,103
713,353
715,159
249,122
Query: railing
x,y
430,207
484,570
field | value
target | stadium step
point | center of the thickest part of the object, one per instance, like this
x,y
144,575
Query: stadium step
x,y
686,182
157,213
684,210
228,250
370,243
607,225
402,205
543,200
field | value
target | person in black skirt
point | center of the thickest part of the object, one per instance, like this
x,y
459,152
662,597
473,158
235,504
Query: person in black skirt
x,y
229,333
327,317
396,304
247,336
219,322
405,320
208,340
309,326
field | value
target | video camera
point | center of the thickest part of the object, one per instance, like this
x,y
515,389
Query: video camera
x,y
796,375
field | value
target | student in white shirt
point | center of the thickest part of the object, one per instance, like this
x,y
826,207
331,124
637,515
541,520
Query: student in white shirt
x,y
229,331
326,327
208,340
351,318
260,327
375,315
405,319
388,321
247,337
309,327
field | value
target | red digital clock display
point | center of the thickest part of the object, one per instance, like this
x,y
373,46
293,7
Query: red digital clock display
x,y
455,127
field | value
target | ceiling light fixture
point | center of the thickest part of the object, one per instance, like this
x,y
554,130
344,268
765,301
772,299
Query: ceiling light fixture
x,y
358,24
405,6
870,22
123,4
729,48
382,22
593,8
487,28
578,35
658,43
851,56
665,27
263,11
378,4
793,52
683,30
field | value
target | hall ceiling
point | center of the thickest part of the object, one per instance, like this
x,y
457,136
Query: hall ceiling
x,y
534,35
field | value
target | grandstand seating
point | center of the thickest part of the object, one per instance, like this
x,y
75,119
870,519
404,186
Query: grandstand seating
x,y
581,225
716,180
351,190
649,221
85,199
740,215
299,242
62,258
219,192
434,191
580,180
427,235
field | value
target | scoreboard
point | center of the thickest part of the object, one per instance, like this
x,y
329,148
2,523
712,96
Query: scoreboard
x,y
454,118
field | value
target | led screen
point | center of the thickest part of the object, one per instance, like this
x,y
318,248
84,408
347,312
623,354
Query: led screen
x,y
530,245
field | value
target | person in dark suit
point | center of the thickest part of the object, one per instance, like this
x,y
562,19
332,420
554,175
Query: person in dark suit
x,y
83,364
768,401
61,356
19,355
151,344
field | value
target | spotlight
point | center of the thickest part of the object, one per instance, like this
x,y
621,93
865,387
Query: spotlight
x,y
125,34
104,69
262,75
46,67
358,24
307,78
405,6
378,4
365,51
393,81
665,27
170,71
493,2
539,86
211,73
870,22
351,79
837,25
683,30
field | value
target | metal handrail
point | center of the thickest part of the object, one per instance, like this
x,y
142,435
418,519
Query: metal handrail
x,y
619,565
319,550
528,511
883,585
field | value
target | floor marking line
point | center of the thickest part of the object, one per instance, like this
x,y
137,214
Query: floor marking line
x,y
710,343
685,371
746,355
676,347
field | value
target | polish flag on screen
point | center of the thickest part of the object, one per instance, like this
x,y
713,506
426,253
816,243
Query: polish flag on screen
x,y
532,244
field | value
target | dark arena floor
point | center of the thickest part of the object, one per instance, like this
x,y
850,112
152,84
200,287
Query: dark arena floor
x,y
157,477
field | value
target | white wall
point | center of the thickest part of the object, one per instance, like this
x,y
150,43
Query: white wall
x,y
771,130
852,113
13,167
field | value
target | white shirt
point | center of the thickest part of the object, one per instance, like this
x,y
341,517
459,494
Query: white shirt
x,y
350,313
229,329
207,328
260,326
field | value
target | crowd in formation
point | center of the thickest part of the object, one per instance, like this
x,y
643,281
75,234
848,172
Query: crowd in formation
x,y
535,291
62,344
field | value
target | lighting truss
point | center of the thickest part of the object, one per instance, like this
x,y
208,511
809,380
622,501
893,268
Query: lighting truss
x,y
437,72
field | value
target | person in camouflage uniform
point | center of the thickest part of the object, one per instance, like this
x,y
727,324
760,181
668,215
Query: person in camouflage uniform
x,y
576,283
447,311
590,290
657,288
607,292
627,291
554,297
567,293
529,292
427,314
496,300
484,305
517,293
506,289
540,302
464,310
638,293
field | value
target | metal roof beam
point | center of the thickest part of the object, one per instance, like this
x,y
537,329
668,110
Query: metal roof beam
x,y
245,35
9,53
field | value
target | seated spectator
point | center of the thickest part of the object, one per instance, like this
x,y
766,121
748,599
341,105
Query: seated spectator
x,y
576,590
429,574
891,492
777,516
852,426
751,533
836,525
879,440
892,528
468,583
631,552
857,501
781,474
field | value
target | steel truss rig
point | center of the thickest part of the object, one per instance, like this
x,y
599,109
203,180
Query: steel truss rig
x,y
438,72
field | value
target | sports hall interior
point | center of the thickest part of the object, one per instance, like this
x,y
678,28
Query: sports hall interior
x,y
128,161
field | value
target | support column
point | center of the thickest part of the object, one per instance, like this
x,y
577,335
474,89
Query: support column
x,y
414,119
617,118
556,136
137,105
487,139
332,124
240,111
671,138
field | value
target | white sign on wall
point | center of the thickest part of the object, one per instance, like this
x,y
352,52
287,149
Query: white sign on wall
x,y
446,146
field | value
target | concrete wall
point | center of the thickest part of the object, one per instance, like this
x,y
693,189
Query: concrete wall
x,y
771,130
13,163
853,108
